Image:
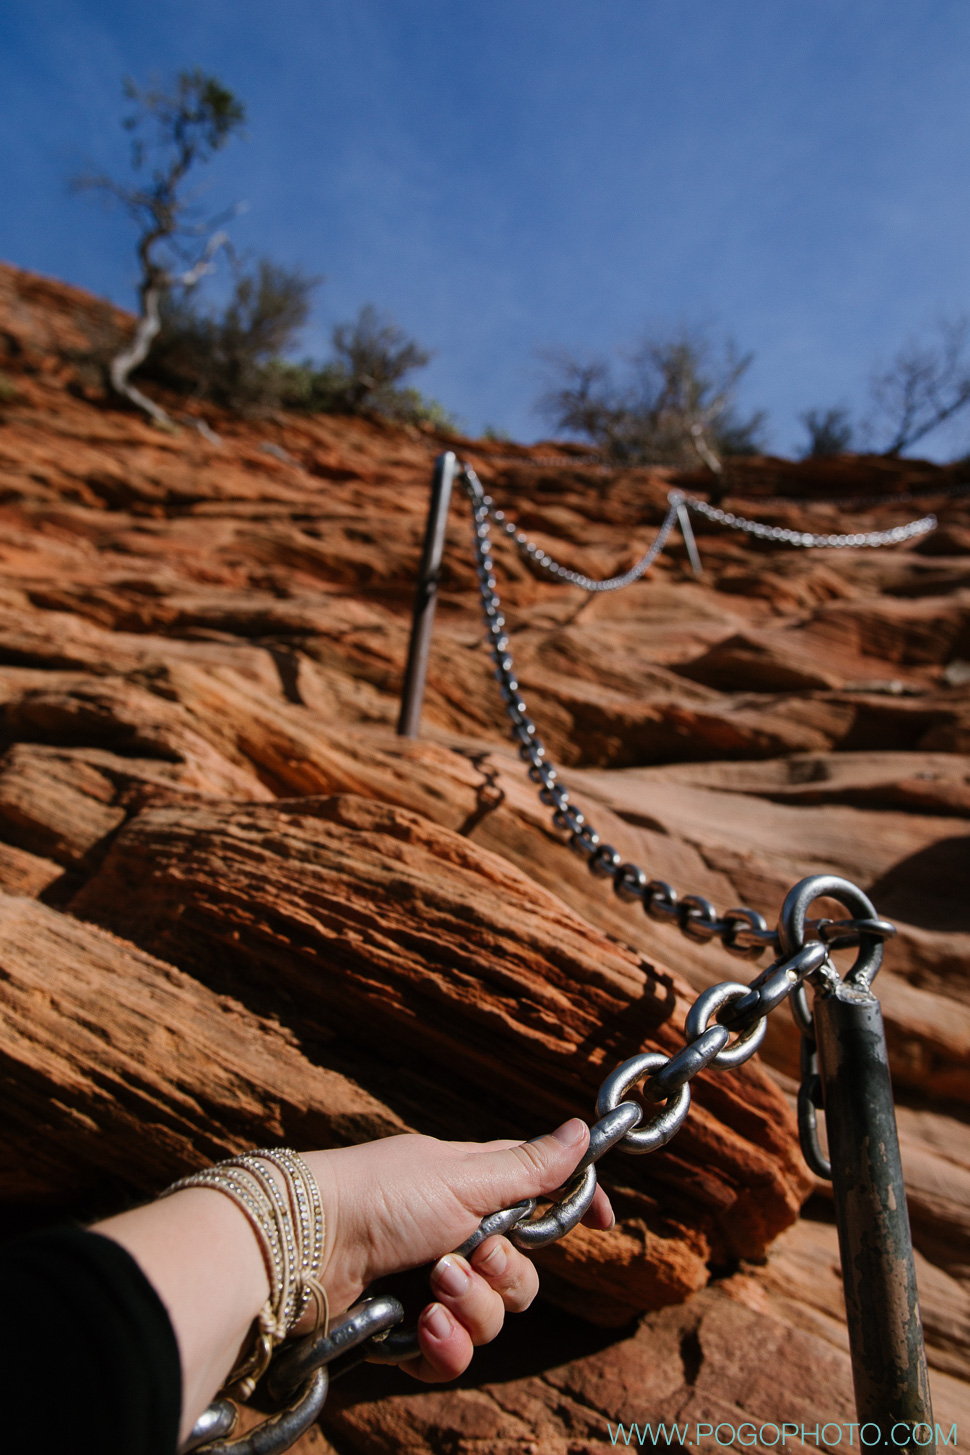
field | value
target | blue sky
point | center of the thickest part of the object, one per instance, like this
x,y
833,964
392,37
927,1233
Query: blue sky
x,y
511,177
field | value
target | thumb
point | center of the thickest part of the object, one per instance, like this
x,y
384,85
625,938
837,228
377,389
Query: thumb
x,y
501,1178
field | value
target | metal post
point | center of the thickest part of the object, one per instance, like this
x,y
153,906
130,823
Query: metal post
x,y
426,596
687,531
882,1307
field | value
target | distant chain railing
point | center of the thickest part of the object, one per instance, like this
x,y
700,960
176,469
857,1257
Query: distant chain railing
x,y
535,553
614,467
809,539
741,930
677,505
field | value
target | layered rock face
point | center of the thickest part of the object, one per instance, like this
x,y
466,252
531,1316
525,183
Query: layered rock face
x,y
236,907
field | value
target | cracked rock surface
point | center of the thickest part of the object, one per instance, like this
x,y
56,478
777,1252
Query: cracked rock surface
x,y
235,906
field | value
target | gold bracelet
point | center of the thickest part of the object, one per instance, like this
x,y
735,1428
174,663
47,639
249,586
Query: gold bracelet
x,y
290,1228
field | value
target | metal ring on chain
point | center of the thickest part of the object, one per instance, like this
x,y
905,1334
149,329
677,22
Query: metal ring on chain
x,y
707,1005
657,1130
794,914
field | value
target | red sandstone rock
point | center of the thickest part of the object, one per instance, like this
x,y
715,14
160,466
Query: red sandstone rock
x,y
121,1072
186,628
379,928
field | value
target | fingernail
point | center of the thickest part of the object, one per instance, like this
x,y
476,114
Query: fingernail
x,y
494,1262
437,1321
571,1133
449,1276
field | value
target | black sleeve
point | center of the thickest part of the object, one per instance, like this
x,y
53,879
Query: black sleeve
x,y
89,1359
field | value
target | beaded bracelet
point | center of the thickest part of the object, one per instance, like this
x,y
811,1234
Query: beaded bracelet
x,y
290,1227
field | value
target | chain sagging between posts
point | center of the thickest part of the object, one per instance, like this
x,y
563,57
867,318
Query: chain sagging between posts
x,y
678,506
742,931
723,1028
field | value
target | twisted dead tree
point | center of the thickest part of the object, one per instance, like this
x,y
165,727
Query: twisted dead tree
x,y
185,127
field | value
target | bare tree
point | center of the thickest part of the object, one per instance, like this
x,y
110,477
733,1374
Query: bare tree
x,y
677,404
925,386
185,127
829,432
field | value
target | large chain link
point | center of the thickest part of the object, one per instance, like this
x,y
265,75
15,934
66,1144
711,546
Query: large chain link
x,y
723,1028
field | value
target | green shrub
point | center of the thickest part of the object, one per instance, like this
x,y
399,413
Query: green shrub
x,y
234,358
237,358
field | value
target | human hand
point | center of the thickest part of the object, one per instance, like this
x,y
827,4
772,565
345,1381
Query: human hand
x,y
403,1201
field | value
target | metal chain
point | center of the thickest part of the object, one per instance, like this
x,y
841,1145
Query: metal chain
x,y
299,1375
676,498
723,1028
742,931
535,553
807,539
608,467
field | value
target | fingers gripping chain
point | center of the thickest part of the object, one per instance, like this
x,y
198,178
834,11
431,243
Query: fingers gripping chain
x,y
723,1028
373,1329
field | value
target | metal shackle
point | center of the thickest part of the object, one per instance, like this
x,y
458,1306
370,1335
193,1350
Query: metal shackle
x,y
794,916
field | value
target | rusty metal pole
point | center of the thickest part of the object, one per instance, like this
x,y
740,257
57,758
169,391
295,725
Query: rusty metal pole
x,y
426,596
882,1307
